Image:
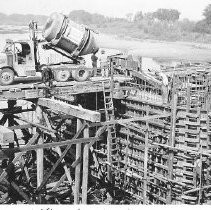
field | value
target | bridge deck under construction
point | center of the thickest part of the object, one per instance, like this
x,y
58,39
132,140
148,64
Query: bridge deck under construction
x,y
107,141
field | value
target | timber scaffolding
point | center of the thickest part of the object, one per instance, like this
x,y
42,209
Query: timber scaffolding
x,y
108,140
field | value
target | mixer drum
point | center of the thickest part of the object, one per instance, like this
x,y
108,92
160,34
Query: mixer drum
x,y
69,36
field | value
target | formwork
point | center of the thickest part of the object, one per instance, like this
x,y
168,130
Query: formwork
x,y
111,140
167,159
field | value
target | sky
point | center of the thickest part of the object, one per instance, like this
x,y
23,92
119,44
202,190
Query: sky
x,y
191,9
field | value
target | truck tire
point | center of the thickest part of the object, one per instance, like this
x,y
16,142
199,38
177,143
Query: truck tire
x,y
6,76
80,75
62,75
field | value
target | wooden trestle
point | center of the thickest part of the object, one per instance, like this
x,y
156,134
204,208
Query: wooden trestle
x,y
117,135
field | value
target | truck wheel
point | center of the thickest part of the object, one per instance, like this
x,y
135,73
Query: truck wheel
x,y
6,76
62,75
80,75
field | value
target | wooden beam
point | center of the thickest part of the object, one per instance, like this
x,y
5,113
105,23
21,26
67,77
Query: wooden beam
x,y
132,119
69,109
8,152
85,168
197,189
175,149
78,168
172,143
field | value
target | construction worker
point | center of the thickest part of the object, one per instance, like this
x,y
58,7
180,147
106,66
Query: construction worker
x,y
165,90
103,63
94,59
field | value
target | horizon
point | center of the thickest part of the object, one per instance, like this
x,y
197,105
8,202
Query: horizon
x,y
191,9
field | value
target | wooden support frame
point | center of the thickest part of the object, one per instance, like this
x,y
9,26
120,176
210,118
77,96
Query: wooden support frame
x,y
62,155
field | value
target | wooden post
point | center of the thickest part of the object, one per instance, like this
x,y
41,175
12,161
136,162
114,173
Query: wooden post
x,y
77,168
188,97
200,160
85,168
112,78
172,141
40,153
146,160
40,163
109,157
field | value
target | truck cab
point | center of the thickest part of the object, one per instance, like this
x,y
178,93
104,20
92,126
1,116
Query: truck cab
x,y
17,59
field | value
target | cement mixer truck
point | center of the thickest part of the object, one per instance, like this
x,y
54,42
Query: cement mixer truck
x,y
20,58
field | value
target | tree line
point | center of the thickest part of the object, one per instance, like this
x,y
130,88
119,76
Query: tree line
x,y
160,24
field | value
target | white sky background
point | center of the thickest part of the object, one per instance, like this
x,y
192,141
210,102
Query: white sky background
x,y
191,9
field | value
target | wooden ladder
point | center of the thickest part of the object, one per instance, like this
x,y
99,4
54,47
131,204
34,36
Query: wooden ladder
x,y
112,145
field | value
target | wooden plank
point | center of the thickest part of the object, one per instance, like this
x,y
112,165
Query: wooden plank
x,y
189,198
6,135
191,123
85,168
69,109
187,131
190,140
34,93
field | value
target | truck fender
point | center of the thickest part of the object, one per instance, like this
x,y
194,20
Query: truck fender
x,y
9,67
